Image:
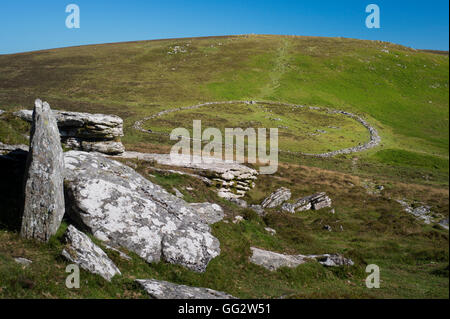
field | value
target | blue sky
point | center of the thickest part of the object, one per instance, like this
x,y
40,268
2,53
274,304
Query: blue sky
x,y
34,25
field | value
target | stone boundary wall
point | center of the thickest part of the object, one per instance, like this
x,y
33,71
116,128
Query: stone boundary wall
x,y
375,138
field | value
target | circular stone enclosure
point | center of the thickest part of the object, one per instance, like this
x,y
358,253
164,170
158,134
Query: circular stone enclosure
x,y
301,129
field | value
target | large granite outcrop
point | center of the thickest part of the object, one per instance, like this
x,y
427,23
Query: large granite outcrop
x,y
122,208
44,190
87,132
82,251
159,289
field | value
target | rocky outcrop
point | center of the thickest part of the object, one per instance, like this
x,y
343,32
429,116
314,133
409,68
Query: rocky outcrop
x,y
87,132
122,208
159,289
277,198
209,213
82,251
315,202
272,261
232,179
44,190
5,148
422,212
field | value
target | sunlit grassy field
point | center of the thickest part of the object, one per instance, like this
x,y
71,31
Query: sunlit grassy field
x,y
402,92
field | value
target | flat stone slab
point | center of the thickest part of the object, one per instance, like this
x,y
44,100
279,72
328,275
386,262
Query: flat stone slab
x,y
159,289
97,125
272,260
82,251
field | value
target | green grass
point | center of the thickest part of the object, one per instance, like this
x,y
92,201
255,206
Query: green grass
x,y
297,128
412,256
400,91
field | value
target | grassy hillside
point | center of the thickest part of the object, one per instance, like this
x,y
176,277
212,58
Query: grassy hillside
x,y
402,92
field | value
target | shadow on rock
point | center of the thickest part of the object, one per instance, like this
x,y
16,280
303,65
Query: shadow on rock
x,y
12,169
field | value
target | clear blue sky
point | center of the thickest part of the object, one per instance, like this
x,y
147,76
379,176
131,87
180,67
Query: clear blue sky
x,y
27,25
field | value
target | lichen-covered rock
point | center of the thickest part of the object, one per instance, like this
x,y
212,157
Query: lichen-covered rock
x,y
272,261
210,213
83,124
44,190
82,251
444,223
122,208
5,148
23,261
277,198
315,202
159,289
105,147
87,132
333,260
232,179
258,209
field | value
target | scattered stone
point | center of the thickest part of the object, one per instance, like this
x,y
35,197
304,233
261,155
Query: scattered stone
x,y
327,228
372,188
421,212
272,231
87,132
237,219
333,211
23,261
315,202
333,260
258,209
209,213
1,112
240,202
122,208
159,289
178,193
272,261
277,198
444,223
121,253
82,251
44,188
